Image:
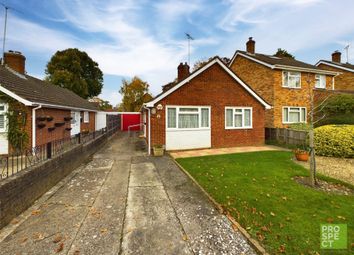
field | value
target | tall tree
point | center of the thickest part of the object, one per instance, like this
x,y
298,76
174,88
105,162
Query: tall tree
x,y
135,93
283,53
75,70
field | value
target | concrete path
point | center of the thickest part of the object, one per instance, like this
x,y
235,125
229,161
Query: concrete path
x,y
220,151
123,202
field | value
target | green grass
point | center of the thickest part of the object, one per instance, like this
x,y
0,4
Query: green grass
x,y
258,190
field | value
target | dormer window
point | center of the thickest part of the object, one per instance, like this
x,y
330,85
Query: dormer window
x,y
291,79
320,81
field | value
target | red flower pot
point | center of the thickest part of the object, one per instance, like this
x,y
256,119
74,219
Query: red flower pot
x,y
302,156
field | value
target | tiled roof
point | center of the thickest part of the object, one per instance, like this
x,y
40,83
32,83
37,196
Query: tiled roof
x,y
38,91
284,61
345,65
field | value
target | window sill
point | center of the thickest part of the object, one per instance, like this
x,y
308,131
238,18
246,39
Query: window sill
x,y
301,122
290,87
186,129
238,128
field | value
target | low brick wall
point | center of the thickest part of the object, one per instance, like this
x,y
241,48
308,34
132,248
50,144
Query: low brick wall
x,y
19,192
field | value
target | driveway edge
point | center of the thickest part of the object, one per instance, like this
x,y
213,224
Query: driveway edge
x,y
254,243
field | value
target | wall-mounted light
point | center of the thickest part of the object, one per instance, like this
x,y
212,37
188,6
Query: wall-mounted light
x,y
153,111
159,107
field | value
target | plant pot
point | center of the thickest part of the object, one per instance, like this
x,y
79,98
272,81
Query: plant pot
x,y
67,118
50,129
158,151
41,125
302,156
67,129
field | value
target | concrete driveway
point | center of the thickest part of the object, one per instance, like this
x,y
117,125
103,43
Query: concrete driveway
x,y
123,202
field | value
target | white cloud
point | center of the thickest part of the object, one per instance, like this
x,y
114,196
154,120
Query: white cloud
x,y
111,95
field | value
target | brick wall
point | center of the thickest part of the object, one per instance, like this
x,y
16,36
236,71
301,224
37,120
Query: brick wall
x,y
90,126
43,135
260,78
215,88
344,81
268,83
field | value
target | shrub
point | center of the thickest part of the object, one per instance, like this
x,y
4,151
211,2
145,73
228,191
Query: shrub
x,y
335,141
339,109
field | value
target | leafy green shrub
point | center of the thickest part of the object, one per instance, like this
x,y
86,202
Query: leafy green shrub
x,y
338,109
335,141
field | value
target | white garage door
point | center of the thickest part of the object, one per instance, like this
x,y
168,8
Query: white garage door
x,y
188,127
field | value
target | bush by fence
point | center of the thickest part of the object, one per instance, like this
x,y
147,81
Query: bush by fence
x,y
335,141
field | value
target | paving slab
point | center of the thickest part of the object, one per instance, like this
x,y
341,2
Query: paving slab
x,y
123,202
151,226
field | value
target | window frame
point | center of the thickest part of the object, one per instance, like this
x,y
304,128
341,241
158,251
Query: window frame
x,y
318,78
199,112
243,108
4,129
300,111
86,117
287,85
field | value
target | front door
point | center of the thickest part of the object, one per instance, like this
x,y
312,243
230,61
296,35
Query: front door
x,y
75,123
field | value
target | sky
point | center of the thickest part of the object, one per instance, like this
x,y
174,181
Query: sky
x,y
146,38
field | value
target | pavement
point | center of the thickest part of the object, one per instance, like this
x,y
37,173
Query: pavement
x,y
220,151
123,202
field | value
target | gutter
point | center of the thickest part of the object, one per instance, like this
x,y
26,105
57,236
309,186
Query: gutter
x,y
149,127
34,125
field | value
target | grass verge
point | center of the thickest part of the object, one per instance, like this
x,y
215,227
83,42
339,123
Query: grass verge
x,y
257,189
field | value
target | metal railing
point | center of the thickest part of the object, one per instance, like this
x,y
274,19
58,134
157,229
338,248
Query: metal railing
x,y
17,161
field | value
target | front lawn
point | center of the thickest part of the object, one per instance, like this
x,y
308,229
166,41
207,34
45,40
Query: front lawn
x,y
258,191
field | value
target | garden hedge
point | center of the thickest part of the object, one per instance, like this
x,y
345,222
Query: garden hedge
x,y
335,141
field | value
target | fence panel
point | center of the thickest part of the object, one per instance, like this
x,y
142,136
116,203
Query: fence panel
x,y
286,136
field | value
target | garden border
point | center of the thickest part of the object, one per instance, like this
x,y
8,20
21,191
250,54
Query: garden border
x,y
253,242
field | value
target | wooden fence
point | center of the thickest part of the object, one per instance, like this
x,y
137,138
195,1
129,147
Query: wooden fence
x,y
286,136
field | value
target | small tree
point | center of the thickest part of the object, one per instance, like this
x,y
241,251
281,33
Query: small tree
x,y
283,53
135,93
314,109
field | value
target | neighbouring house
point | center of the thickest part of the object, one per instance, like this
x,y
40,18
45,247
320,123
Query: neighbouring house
x,y
209,108
46,112
283,82
344,81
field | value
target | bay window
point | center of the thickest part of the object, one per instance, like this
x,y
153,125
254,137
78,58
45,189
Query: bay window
x,y
188,117
320,81
291,79
238,117
294,114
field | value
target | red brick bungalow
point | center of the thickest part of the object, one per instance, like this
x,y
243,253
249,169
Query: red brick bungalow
x,y
48,112
210,108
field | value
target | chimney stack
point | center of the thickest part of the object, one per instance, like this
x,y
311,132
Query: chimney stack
x,y
336,56
250,46
15,60
182,71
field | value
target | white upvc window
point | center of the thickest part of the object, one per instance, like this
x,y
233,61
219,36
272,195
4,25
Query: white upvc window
x,y
86,117
3,109
291,79
187,117
294,114
320,81
238,117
